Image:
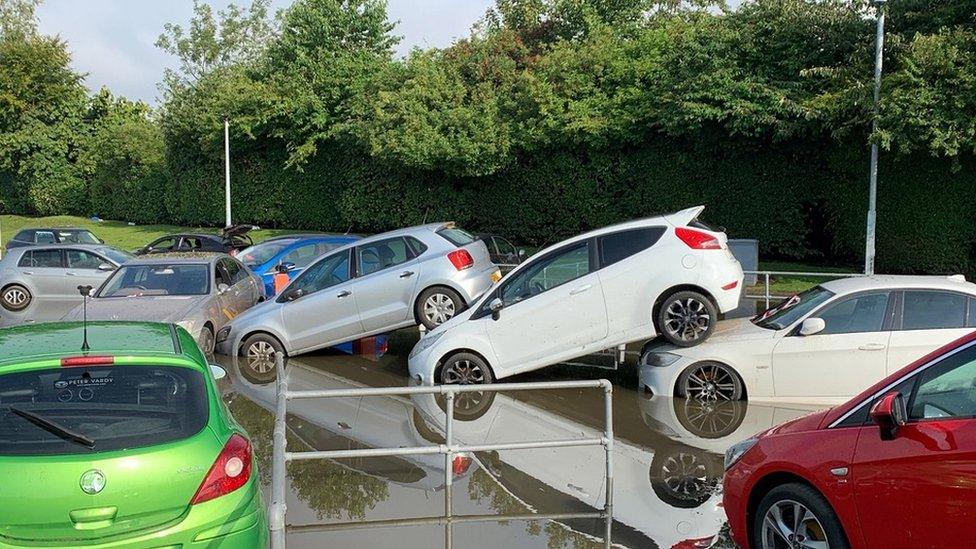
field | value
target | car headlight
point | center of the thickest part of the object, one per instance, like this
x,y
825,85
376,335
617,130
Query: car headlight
x,y
736,451
425,343
660,359
223,334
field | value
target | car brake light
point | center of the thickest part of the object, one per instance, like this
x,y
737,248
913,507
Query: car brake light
x,y
731,285
230,471
697,240
461,259
80,361
460,465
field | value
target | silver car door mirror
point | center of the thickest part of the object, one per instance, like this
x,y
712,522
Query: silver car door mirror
x,y
222,288
495,306
521,253
106,267
811,326
294,294
218,372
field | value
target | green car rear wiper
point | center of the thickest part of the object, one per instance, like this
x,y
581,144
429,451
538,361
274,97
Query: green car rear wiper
x,y
53,427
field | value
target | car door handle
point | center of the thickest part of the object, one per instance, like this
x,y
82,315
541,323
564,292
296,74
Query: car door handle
x,y
872,347
29,273
70,274
406,274
580,289
343,293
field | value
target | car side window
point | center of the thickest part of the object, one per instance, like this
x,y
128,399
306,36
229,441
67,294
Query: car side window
x,y
234,271
857,314
927,310
41,258
946,389
326,273
191,244
546,273
44,237
221,275
78,259
971,320
416,246
382,255
301,256
505,248
620,245
168,243
24,236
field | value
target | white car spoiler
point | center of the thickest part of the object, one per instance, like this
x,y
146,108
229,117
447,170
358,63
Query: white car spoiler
x,y
684,217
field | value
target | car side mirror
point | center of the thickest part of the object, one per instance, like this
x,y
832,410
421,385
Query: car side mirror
x,y
222,288
218,372
521,253
107,267
889,414
495,306
285,267
812,326
294,294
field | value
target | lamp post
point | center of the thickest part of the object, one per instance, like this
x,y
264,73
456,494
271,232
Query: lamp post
x,y
873,184
226,172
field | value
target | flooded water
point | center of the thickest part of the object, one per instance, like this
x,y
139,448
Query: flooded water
x,y
667,458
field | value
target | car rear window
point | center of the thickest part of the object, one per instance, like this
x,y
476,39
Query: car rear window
x,y
457,236
623,244
115,407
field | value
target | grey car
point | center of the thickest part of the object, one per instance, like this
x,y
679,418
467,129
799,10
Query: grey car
x,y
424,274
40,283
200,292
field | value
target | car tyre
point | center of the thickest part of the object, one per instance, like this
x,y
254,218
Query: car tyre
x,y
15,298
208,341
710,380
684,478
465,369
686,318
437,305
799,511
259,354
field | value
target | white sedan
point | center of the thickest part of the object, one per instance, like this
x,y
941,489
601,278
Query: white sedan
x,y
821,346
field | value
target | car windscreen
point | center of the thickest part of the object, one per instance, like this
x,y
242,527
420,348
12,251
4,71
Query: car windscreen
x,y
791,309
117,256
457,236
157,279
100,408
259,254
78,237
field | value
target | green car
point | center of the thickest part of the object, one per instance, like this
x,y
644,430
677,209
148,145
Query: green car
x,y
125,445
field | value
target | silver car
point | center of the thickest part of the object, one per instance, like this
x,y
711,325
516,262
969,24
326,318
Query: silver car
x,y
40,283
423,274
200,292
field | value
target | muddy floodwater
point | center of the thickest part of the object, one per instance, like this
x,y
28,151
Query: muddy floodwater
x,y
667,458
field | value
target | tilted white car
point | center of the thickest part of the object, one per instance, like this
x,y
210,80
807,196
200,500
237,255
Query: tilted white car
x,y
670,275
821,346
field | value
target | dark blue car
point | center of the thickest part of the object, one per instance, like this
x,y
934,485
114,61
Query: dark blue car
x,y
292,253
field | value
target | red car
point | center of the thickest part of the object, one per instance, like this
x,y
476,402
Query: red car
x,y
893,467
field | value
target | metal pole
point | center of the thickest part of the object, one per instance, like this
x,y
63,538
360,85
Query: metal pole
x,y
766,292
608,445
226,172
869,249
276,514
449,470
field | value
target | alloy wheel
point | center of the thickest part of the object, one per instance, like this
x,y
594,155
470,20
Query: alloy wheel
x,y
463,372
16,297
439,308
687,319
710,381
789,524
207,342
260,357
686,476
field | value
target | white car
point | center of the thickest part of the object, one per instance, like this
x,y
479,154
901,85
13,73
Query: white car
x,y
668,275
821,346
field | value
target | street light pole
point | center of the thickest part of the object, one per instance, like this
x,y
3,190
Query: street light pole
x,y
226,172
869,249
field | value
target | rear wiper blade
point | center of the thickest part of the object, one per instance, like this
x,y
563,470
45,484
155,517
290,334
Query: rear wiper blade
x,y
54,427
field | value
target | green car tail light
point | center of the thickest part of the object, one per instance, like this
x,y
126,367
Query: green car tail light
x,y
83,361
230,471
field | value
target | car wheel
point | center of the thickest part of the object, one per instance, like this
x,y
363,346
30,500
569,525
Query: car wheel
x,y
684,478
686,318
15,297
709,419
207,341
465,369
796,516
710,381
259,356
437,305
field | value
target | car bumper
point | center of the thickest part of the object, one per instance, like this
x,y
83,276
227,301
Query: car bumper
x,y
473,284
661,380
423,364
735,501
718,276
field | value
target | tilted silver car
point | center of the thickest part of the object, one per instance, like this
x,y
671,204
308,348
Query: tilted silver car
x,y
200,292
424,274
40,283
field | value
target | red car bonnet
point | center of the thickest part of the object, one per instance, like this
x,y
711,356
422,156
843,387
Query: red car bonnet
x,y
837,412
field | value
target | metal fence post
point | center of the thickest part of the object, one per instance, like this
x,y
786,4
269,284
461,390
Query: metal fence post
x,y
276,515
766,290
608,443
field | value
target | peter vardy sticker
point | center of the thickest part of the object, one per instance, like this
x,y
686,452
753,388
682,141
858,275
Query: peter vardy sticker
x,y
84,382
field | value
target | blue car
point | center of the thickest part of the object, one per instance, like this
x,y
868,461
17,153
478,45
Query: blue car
x,y
292,253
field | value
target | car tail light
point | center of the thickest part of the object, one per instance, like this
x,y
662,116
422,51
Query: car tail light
x,y
460,465
461,259
231,471
697,240
81,361
731,285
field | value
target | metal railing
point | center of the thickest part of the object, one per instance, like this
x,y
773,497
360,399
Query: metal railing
x,y
768,296
281,456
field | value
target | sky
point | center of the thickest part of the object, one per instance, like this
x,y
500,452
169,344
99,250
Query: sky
x,y
113,40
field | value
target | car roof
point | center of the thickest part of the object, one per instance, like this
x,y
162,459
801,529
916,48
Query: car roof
x,y
39,247
29,343
314,236
178,258
880,282
55,229
194,235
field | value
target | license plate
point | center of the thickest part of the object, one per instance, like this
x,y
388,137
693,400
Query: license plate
x,y
496,276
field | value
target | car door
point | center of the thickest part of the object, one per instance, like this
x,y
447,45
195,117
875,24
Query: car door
x,y
928,319
388,273
319,306
552,306
163,245
44,268
630,282
240,294
83,269
301,257
917,489
845,358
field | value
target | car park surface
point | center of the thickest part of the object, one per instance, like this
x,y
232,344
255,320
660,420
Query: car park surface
x,y
126,445
821,346
292,252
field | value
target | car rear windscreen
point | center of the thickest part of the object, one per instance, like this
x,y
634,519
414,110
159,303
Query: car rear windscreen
x,y
95,409
458,237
